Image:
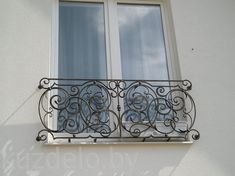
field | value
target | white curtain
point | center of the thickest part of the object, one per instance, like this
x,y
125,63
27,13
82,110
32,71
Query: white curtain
x,y
82,52
143,54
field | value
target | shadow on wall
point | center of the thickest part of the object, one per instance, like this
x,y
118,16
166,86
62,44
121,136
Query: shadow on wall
x,y
20,154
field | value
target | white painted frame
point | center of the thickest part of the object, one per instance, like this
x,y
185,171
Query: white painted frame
x,y
112,36
113,54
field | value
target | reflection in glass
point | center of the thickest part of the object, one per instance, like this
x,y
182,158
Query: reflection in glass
x,y
142,44
143,56
82,52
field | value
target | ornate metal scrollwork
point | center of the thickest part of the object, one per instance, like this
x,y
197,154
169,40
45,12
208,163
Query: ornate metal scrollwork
x,y
118,110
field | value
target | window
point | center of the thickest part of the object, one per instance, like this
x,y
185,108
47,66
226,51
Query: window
x,y
111,40
109,56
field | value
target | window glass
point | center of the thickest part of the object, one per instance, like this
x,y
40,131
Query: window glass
x,y
143,54
82,55
82,52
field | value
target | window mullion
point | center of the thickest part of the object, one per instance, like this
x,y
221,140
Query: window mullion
x,y
115,61
107,40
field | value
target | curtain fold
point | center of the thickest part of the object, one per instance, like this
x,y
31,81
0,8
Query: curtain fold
x,y
143,54
82,50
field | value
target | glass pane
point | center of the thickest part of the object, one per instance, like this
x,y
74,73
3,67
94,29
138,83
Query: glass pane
x,y
142,44
82,52
143,56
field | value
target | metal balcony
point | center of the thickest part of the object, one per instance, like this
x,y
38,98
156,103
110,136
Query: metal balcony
x,y
82,110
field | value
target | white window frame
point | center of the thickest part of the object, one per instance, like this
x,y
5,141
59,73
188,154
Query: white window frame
x,y
112,41
112,38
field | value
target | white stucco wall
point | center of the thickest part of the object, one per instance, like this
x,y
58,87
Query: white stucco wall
x,y
205,34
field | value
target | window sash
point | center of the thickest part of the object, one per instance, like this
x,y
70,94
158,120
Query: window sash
x,y
113,55
112,37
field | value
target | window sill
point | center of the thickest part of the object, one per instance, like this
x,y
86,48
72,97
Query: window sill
x,y
116,143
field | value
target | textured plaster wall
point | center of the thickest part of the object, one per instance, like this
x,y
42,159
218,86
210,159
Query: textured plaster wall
x,y
205,35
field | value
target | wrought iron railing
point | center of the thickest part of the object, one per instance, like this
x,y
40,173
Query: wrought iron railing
x,y
116,110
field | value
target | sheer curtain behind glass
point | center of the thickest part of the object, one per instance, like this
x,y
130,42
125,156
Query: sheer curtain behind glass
x,y
82,54
82,51
143,54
